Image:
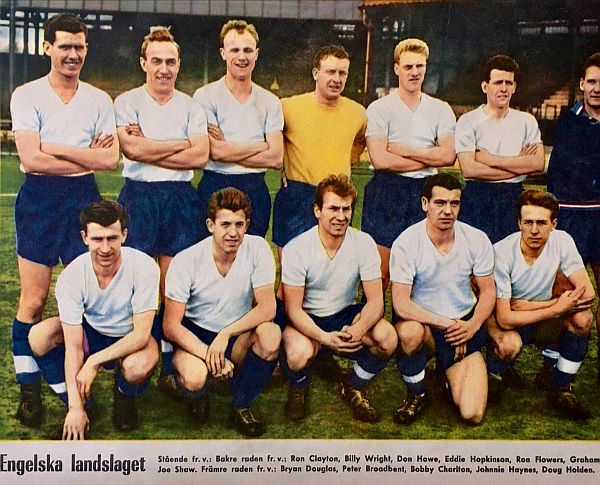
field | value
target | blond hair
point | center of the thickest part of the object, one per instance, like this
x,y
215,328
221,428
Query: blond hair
x,y
240,26
158,33
410,45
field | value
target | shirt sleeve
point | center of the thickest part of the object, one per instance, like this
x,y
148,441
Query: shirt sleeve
x,y
69,296
293,269
464,136
146,283
23,113
124,112
570,259
106,115
532,131
369,262
377,121
197,124
179,279
447,122
274,119
201,96
502,275
264,265
402,262
484,256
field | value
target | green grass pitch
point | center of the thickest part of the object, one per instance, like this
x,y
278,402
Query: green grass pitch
x,y
520,416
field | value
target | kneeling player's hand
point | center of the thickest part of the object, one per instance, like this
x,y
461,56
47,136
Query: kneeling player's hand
x,y
343,342
572,301
226,371
459,352
460,333
85,378
76,424
215,355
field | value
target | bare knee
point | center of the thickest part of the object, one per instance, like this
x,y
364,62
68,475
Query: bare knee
x,y
581,323
31,305
267,341
136,368
385,338
411,336
472,417
299,351
45,336
193,379
507,346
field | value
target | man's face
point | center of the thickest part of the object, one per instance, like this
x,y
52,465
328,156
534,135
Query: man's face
x,y
500,88
334,218
239,52
410,70
330,78
535,225
67,53
442,209
228,230
590,85
161,66
104,243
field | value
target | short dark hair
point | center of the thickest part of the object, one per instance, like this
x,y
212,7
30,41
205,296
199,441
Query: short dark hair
x,y
500,62
64,22
540,199
593,60
229,198
338,184
105,213
329,50
444,180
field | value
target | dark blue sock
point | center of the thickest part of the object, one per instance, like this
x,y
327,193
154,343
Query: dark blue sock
x,y
127,388
26,368
52,367
366,367
251,380
166,347
298,380
550,356
412,369
573,349
495,365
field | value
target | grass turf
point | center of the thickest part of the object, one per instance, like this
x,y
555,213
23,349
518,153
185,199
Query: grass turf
x,y
522,415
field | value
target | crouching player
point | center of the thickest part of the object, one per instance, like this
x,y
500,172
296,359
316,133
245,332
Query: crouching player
x,y
527,264
432,266
107,299
321,271
219,310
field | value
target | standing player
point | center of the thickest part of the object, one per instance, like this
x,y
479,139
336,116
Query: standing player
x,y
163,135
409,134
574,170
64,129
244,127
219,311
323,134
497,147
526,264
321,272
107,300
432,266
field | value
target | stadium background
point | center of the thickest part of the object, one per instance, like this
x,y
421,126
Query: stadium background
x,y
549,38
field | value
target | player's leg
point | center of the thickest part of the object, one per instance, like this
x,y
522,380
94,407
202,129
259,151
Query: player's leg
x,y
384,254
132,378
256,353
411,358
572,348
192,382
166,380
299,351
46,341
467,380
596,270
35,282
379,344
502,350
